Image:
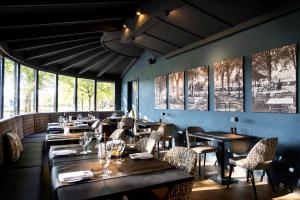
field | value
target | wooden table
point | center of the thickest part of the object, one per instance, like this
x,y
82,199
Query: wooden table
x,y
221,138
60,128
129,177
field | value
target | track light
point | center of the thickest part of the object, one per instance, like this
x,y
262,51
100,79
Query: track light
x,y
125,26
138,12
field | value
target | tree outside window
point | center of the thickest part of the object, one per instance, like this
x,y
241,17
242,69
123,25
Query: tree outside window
x,y
105,96
66,93
27,90
85,95
46,92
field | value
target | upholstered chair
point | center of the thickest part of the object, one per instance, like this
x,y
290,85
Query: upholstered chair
x,y
259,158
185,159
203,148
147,144
117,134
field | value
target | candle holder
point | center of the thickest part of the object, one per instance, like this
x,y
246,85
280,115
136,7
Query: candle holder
x,y
234,121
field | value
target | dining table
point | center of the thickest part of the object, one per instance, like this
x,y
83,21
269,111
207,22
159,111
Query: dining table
x,y
221,138
72,127
127,178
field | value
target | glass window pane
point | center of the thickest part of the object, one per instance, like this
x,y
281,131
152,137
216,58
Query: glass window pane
x,y
27,90
66,92
85,98
46,92
10,92
105,96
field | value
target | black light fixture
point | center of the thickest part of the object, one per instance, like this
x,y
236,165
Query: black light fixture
x,y
167,13
139,12
125,25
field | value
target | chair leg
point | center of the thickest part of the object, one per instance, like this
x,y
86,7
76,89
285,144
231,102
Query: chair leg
x,y
262,176
217,159
204,159
229,177
270,180
248,174
253,184
199,157
158,149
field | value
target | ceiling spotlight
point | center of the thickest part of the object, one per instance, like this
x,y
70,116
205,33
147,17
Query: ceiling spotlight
x,y
139,12
125,25
167,13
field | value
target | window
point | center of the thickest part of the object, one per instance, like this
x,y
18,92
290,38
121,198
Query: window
x,y
105,96
85,92
66,93
9,90
27,90
46,92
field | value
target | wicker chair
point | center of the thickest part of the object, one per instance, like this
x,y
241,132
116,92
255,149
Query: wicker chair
x,y
204,148
95,125
140,133
164,132
117,134
185,159
126,123
259,158
147,144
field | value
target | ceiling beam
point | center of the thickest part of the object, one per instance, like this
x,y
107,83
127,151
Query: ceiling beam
x,y
207,13
86,55
73,52
67,30
55,3
98,62
66,43
55,50
38,43
110,65
128,66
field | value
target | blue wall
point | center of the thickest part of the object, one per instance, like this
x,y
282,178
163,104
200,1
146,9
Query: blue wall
x,y
281,31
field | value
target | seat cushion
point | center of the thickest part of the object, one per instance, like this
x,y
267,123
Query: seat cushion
x,y
204,149
23,184
32,156
38,137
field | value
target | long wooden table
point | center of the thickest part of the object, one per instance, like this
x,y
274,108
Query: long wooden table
x,y
127,178
221,138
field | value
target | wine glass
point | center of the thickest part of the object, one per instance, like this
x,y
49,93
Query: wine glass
x,y
104,155
88,138
83,143
98,136
119,146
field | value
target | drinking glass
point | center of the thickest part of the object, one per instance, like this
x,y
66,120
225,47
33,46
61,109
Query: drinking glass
x,y
88,138
98,136
83,143
104,155
119,146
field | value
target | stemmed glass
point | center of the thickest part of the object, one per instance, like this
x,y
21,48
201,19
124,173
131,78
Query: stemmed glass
x,y
119,146
88,138
98,136
104,155
83,143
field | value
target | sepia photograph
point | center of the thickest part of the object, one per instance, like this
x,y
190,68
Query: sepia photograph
x,y
229,93
198,89
160,90
274,80
176,91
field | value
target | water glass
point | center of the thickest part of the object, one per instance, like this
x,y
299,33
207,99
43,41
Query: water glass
x,y
83,143
119,146
98,136
88,138
104,156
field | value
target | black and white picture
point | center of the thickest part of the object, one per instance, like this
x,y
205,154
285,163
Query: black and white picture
x,y
274,80
229,94
176,91
160,90
198,89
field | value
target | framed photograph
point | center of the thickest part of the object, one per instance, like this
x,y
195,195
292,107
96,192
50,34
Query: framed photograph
x,y
176,91
160,91
198,89
229,85
274,80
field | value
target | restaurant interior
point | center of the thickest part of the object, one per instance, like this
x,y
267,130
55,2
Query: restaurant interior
x,y
149,99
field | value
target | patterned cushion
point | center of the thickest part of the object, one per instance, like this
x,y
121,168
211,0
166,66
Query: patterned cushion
x,y
117,134
147,144
15,146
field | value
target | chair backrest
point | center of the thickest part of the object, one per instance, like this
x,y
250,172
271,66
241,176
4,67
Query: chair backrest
x,y
263,151
117,134
240,147
147,144
126,122
194,129
183,158
165,130
95,124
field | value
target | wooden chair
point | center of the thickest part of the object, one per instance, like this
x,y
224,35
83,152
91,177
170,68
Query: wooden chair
x,y
259,158
203,148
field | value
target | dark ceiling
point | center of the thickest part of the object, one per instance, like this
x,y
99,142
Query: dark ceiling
x,y
86,37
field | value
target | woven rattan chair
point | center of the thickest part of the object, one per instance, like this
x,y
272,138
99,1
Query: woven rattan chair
x,y
147,144
117,134
140,133
259,158
203,148
164,132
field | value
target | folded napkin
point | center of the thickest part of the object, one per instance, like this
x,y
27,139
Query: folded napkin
x,y
53,124
81,125
143,155
75,176
63,152
62,136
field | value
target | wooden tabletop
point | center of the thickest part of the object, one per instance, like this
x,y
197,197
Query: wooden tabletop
x,y
221,136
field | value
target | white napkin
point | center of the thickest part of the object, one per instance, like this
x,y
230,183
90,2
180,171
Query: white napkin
x,y
53,124
144,155
81,125
63,152
75,176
